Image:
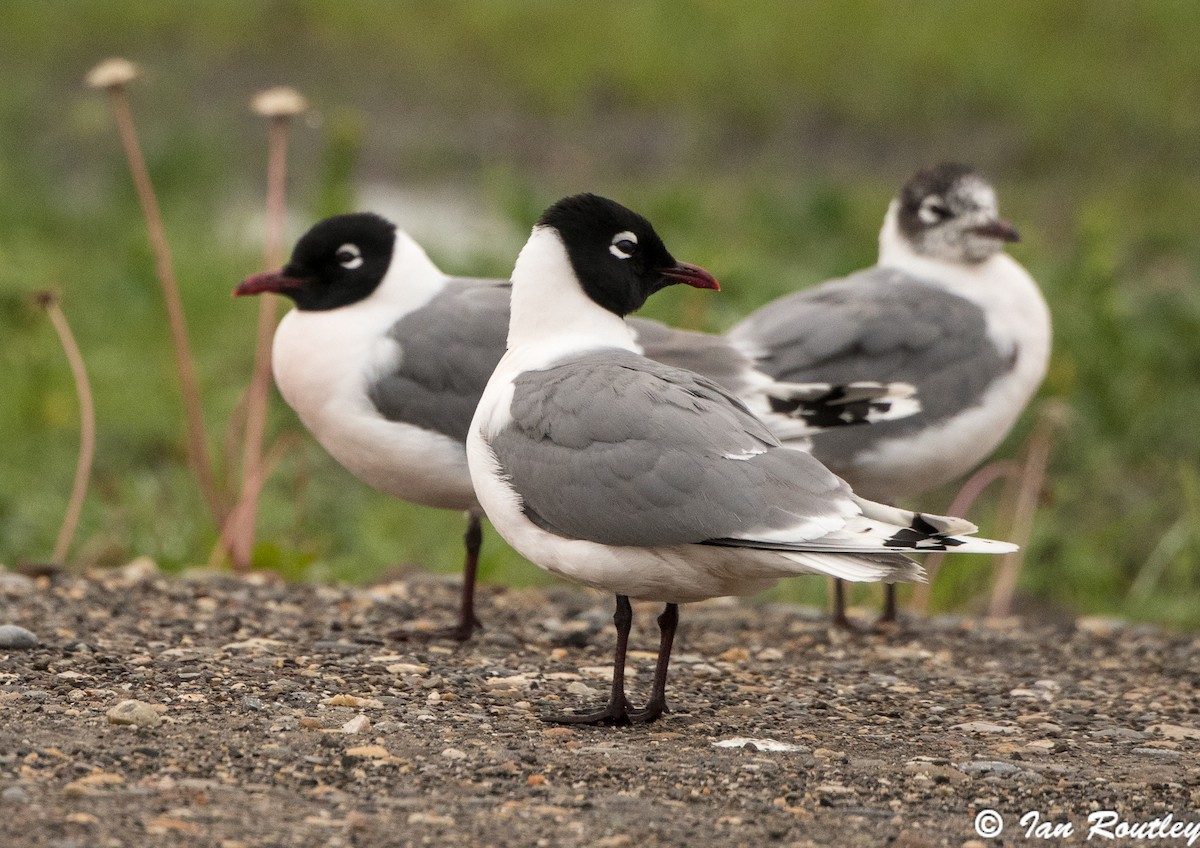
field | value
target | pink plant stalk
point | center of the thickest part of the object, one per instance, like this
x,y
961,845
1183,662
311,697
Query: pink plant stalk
x,y
254,487
280,105
87,425
1029,489
112,75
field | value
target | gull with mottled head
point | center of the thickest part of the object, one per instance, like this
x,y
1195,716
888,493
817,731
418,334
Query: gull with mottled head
x,y
944,309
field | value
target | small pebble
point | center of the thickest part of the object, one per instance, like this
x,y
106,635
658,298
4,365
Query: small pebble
x,y
14,585
135,713
1157,752
984,727
15,637
138,570
14,795
1175,731
338,647
988,767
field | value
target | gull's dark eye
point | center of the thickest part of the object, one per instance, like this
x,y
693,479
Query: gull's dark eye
x,y
624,245
933,210
349,256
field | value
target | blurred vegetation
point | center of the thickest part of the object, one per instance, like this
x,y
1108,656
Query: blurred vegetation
x,y
764,140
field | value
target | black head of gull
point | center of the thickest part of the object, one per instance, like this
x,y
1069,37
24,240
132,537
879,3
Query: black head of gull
x,y
617,256
338,262
388,383
646,480
949,212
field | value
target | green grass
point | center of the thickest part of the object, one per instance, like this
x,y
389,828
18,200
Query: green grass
x,y
765,141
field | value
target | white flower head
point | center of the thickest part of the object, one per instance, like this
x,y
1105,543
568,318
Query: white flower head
x,y
279,102
111,73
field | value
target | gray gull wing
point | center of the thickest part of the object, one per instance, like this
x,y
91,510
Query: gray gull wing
x,y
448,349
616,449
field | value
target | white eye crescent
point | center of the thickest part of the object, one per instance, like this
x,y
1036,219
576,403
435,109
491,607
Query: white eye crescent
x,y
933,210
623,245
349,256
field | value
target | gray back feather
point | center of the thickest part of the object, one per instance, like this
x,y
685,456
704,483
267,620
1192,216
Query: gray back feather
x,y
450,348
614,448
452,344
713,356
879,324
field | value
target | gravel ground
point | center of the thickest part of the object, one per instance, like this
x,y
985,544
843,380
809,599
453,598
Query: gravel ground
x,y
275,715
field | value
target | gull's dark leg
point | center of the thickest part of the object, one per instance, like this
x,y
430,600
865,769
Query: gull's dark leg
x,y
467,620
473,540
657,705
839,605
889,604
618,710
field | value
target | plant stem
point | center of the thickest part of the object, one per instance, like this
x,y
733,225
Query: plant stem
x,y
87,425
254,486
241,536
196,441
1032,476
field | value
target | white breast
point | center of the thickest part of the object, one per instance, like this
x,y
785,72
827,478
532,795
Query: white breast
x,y
1018,323
323,362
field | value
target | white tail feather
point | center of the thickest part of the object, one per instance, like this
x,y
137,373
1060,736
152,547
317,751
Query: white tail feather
x,y
880,530
889,568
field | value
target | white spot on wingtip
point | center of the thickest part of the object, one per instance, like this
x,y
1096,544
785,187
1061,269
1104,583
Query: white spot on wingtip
x,y
744,455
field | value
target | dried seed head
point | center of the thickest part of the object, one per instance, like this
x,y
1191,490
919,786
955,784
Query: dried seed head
x,y
111,73
278,102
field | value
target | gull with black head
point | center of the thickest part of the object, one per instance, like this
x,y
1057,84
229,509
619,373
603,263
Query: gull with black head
x,y
944,309
385,358
648,481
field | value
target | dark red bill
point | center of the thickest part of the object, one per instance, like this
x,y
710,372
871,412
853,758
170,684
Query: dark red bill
x,y
268,281
692,275
997,229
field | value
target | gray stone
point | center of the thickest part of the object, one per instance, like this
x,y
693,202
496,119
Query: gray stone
x,y
1157,752
14,637
1117,733
998,767
14,795
985,727
936,773
135,713
14,585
